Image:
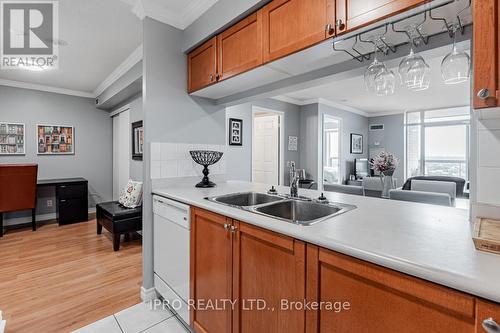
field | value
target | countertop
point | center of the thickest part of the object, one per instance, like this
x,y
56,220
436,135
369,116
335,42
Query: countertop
x,y
430,242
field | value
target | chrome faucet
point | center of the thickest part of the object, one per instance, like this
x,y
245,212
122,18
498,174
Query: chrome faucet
x,y
294,181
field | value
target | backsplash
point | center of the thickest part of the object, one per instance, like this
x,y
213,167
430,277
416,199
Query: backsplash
x,y
489,161
172,160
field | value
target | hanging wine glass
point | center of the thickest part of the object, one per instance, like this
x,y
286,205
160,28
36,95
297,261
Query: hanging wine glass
x,y
455,67
414,72
378,78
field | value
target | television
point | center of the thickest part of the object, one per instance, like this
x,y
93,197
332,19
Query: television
x,y
362,168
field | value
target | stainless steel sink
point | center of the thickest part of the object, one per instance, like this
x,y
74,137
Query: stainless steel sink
x,y
302,212
245,199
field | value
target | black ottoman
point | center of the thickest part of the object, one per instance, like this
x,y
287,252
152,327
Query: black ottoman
x,y
118,220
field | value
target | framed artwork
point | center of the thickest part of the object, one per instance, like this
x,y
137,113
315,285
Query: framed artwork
x,y
235,132
55,140
137,140
356,143
293,142
12,137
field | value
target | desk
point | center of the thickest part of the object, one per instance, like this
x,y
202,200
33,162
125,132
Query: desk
x,y
71,198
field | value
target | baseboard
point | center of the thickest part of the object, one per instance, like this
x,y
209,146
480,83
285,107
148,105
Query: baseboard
x,y
148,294
39,218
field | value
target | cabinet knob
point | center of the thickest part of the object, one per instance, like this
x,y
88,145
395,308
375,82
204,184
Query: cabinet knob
x,y
491,326
211,77
218,77
483,93
339,24
329,29
234,228
227,226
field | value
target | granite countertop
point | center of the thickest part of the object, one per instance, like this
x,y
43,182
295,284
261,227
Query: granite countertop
x,y
430,242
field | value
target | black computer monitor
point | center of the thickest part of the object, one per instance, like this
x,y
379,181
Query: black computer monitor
x,y
362,167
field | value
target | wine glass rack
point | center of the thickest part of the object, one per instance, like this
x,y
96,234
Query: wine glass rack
x,y
451,17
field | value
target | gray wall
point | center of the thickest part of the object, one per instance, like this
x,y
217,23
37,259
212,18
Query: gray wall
x,y
136,114
93,140
309,137
239,158
170,114
351,123
308,140
391,139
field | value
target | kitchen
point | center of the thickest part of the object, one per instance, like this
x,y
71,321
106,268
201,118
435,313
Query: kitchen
x,y
272,166
401,266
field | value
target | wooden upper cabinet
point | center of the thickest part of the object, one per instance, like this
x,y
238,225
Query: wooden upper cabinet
x,y
486,45
292,25
488,317
269,267
352,14
380,300
202,66
210,270
240,47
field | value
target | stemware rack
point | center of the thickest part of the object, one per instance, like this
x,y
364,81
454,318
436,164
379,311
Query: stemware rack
x,y
451,16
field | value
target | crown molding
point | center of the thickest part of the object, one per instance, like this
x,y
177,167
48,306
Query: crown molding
x,y
287,99
156,9
119,71
323,101
195,9
343,107
125,66
41,87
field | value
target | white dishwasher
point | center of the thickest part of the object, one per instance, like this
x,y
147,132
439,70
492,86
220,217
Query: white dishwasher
x,y
171,253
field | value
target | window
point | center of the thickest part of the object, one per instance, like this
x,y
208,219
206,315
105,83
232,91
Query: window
x,y
331,149
437,143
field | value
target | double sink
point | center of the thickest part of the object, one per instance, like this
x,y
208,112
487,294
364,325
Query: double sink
x,y
301,211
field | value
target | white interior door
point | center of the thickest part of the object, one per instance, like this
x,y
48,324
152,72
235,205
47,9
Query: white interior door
x,y
121,151
266,149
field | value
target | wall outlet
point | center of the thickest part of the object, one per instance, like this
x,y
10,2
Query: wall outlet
x,y
49,203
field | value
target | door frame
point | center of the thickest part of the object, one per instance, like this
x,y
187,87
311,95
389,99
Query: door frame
x,y
281,159
321,162
116,173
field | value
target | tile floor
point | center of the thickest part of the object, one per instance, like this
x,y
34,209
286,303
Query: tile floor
x,y
140,318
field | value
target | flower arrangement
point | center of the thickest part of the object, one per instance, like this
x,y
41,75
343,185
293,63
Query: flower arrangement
x,y
385,163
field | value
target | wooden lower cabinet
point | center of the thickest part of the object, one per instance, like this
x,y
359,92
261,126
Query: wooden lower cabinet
x,y
274,283
488,317
210,271
380,300
271,268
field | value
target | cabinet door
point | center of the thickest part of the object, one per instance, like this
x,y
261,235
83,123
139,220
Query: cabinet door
x,y
488,317
240,47
202,66
380,300
292,25
210,272
485,48
353,14
269,267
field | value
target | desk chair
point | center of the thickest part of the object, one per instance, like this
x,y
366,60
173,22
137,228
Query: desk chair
x,y
18,190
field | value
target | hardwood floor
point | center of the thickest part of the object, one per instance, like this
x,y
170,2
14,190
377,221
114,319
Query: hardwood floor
x,y
61,278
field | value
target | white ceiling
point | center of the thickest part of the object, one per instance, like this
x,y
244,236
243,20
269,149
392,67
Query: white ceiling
x,y
177,13
351,94
102,40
